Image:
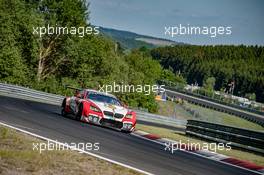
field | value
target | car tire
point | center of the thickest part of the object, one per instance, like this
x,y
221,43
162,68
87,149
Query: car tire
x,y
127,132
79,113
63,105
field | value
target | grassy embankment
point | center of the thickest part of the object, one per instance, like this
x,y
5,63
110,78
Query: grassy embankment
x,y
17,157
172,109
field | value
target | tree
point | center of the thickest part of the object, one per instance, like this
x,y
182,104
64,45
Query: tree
x,y
52,47
15,19
209,84
251,96
242,64
168,75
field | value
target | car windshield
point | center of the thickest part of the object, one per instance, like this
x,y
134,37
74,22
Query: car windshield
x,y
103,98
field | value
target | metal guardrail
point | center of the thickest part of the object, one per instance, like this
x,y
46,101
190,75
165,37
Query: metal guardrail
x,y
31,94
27,93
160,119
256,118
243,138
181,90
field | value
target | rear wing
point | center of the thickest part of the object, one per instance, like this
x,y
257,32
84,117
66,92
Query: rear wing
x,y
74,88
77,90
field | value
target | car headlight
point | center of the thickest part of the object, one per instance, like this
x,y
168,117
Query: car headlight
x,y
94,109
127,125
130,116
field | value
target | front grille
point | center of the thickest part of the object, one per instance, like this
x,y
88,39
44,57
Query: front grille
x,y
118,115
111,123
108,113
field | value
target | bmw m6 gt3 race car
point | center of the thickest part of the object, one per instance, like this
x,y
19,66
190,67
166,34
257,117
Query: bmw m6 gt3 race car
x,y
99,108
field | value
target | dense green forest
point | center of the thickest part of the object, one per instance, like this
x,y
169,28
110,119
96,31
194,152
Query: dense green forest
x,y
49,62
242,64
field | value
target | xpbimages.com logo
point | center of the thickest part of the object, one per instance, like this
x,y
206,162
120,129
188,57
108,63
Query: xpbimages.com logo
x,y
126,88
211,31
59,30
213,147
57,146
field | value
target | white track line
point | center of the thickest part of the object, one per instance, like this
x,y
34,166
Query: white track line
x,y
79,150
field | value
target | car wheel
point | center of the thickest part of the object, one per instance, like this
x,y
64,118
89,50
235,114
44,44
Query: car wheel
x,y
79,113
63,113
126,132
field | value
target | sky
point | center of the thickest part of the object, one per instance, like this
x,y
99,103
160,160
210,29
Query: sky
x,y
150,17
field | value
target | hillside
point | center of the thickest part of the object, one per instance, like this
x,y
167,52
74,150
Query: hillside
x,y
242,65
130,40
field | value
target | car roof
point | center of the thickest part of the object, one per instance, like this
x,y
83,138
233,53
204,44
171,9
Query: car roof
x,y
99,92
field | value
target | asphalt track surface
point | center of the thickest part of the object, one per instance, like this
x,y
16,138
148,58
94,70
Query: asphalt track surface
x,y
45,120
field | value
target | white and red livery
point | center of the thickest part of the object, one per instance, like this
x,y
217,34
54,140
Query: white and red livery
x,y
99,108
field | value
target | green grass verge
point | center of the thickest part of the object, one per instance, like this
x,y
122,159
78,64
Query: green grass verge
x,y
224,118
177,136
17,157
172,109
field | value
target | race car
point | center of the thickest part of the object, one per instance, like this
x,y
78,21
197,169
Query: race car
x,y
99,108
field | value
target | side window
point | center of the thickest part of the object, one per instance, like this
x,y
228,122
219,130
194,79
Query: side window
x,y
79,94
86,94
82,93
